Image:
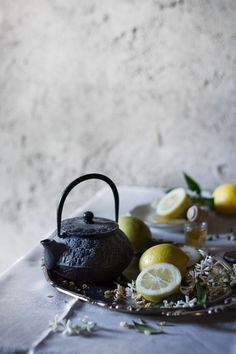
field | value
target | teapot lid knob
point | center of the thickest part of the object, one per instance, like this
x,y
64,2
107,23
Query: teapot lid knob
x,y
88,217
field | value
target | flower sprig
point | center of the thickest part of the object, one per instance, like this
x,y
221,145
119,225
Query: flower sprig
x,y
180,303
83,327
203,283
232,276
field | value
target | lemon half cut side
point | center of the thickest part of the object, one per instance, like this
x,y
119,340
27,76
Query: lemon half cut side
x,y
174,204
158,281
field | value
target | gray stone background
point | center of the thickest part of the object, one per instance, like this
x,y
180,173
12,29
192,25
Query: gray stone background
x,y
139,90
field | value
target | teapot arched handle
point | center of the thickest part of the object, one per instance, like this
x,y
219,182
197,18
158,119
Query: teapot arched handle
x,y
79,180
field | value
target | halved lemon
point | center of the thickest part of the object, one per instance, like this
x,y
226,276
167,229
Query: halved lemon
x,y
174,204
158,281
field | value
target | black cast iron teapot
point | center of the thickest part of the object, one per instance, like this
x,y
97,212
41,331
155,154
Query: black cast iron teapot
x,y
87,249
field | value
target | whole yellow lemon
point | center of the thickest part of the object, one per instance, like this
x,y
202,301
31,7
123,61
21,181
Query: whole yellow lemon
x,y
164,253
137,232
225,199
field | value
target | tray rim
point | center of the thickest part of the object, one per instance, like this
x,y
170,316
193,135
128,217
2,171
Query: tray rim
x,y
228,303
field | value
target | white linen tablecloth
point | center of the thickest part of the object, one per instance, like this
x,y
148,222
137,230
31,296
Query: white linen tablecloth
x,y
28,302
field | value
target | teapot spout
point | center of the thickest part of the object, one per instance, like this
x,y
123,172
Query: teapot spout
x,y
52,251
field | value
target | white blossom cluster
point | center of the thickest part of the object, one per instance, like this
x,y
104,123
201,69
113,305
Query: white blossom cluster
x,y
207,272
210,272
122,292
117,294
233,276
131,292
204,267
84,326
180,303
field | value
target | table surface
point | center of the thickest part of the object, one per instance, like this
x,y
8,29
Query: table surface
x,y
28,303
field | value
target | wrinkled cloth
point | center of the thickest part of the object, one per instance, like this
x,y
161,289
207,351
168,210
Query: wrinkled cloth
x,y
28,303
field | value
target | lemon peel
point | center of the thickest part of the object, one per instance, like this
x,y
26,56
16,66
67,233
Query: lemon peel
x,y
225,199
137,232
166,253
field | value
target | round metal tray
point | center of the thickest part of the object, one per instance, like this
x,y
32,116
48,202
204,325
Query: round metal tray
x,y
94,294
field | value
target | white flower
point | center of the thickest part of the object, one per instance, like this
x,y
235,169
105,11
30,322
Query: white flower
x,y
56,325
124,324
130,291
180,303
86,325
119,292
233,276
209,273
68,328
71,329
162,323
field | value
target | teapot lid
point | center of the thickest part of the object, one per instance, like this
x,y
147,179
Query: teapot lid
x,y
88,225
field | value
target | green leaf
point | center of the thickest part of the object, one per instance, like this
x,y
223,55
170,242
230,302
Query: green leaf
x,y
143,327
192,184
173,298
157,304
176,297
129,326
147,329
204,201
208,202
202,294
168,190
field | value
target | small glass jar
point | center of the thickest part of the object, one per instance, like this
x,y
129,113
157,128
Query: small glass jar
x,y
195,233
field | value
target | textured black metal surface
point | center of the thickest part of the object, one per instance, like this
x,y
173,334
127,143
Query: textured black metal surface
x,y
98,258
95,252
78,227
230,257
87,248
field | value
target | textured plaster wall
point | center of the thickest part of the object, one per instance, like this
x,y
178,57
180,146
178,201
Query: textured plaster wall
x,y
139,90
